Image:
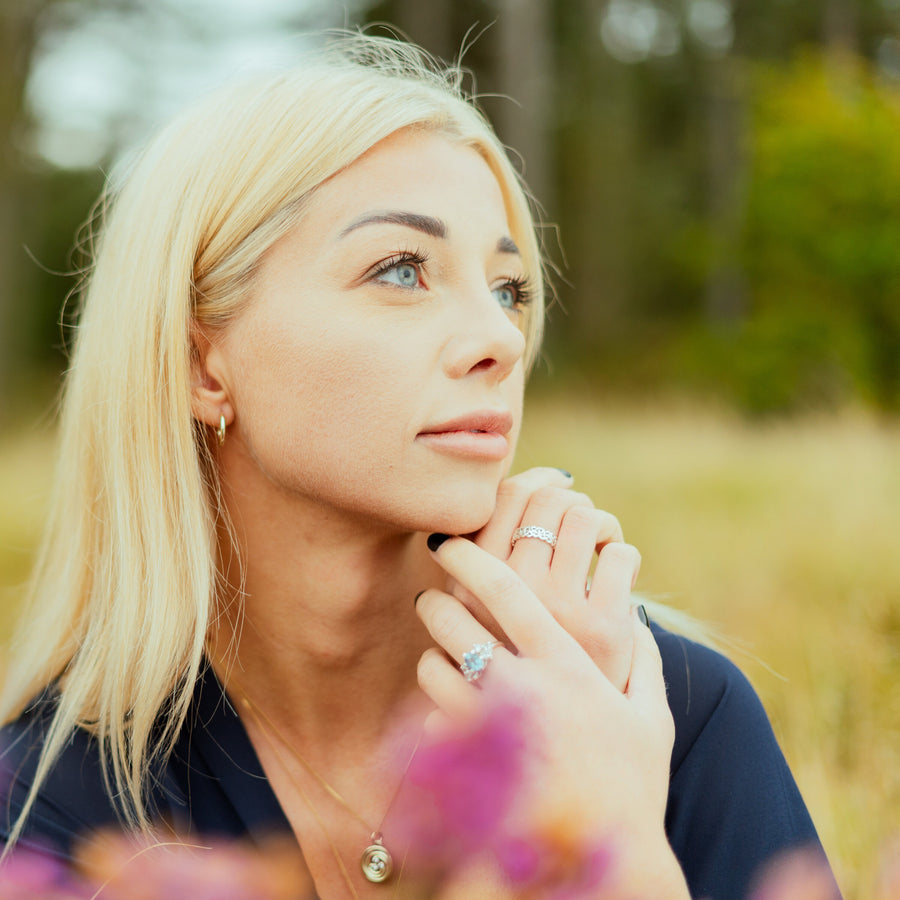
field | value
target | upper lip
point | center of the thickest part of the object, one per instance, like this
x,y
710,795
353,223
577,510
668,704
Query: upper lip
x,y
495,421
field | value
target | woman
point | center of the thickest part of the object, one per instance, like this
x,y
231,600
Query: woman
x,y
299,368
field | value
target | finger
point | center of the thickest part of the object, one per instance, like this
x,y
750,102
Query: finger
x,y
531,555
614,576
519,612
605,624
451,625
512,498
582,533
445,685
646,685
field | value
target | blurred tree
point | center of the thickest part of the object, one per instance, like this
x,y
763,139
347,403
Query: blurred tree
x,y
642,130
18,32
823,225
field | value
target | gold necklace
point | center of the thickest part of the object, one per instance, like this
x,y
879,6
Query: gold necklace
x,y
376,861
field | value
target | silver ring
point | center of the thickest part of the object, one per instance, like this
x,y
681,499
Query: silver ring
x,y
534,531
475,661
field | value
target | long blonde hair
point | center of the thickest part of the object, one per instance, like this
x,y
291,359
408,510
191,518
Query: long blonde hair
x,y
124,588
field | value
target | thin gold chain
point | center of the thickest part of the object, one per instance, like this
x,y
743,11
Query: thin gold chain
x,y
263,720
306,799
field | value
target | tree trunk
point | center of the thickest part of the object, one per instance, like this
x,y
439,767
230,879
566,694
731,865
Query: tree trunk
x,y
428,23
726,167
18,30
840,26
524,73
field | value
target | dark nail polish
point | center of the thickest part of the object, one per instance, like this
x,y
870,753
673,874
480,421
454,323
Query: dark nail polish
x,y
435,540
564,472
642,615
417,597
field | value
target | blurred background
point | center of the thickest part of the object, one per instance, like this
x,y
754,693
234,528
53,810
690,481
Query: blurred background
x,y
720,183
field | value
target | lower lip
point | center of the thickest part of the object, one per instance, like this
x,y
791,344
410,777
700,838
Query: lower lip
x,y
487,445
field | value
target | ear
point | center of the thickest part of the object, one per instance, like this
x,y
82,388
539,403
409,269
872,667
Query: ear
x,y
210,395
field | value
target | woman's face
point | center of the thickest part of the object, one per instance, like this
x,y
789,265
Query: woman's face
x,y
377,369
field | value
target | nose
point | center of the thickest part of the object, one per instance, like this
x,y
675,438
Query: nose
x,y
485,340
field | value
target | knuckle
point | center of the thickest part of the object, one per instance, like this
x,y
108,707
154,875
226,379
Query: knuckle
x,y
608,524
445,626
582,519
547,497
502,587
511,491
620,554
429,665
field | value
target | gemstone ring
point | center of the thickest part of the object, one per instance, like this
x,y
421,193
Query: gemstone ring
x,y
475,661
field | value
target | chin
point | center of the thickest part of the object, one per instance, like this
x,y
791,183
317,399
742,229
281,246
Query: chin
x,y
459,518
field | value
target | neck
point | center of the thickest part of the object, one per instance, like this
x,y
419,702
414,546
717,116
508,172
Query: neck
x,y
323,634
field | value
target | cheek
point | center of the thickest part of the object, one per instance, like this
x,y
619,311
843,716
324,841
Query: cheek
x,y
300,388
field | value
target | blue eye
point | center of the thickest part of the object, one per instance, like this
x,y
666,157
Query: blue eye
x,y
506,296
513,294
402,270
403,274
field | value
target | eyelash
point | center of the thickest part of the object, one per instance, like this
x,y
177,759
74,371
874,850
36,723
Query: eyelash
x,y
521,284
416,258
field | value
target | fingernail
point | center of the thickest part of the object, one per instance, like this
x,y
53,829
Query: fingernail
x,y
435,540
417,597
564,472
642,615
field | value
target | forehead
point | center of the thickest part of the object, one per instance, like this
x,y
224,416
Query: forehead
x,y
422,171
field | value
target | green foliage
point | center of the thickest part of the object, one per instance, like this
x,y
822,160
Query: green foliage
x,y
821,243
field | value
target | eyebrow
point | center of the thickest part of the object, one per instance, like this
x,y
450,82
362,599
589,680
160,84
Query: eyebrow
x,y
426,224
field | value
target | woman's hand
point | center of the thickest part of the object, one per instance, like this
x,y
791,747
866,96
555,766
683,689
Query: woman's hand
x,y
599,616
602,760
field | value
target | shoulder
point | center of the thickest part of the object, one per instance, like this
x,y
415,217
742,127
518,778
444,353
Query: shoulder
x,y
705,689
733,802
72,801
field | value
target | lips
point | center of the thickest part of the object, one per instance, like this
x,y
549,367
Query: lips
x,y
479,435
483,422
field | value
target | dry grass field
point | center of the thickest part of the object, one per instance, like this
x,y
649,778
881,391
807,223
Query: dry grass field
x,y
783,538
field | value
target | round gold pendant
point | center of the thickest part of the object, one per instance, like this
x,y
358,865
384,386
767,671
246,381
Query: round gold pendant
x,y
376,862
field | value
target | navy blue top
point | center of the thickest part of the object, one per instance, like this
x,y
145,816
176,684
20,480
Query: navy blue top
x,y
732,806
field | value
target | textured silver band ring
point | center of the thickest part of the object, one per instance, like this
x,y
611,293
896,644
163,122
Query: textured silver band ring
x,y
534,531
475,661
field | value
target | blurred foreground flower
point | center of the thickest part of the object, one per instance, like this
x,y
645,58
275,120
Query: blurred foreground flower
x,y
457,808
126,868
28,874
888,885
797,875
458,791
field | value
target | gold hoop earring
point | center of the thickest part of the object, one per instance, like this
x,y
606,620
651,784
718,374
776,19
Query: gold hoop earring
x,y
220,431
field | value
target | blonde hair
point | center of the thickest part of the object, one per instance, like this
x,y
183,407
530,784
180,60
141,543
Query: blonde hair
x,y
124,589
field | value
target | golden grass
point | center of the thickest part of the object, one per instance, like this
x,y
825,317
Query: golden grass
x,y
783,537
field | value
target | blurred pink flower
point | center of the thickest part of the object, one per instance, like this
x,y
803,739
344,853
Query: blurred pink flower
x,y
30,874
458,792
125,868
797,875
888,878
457,806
